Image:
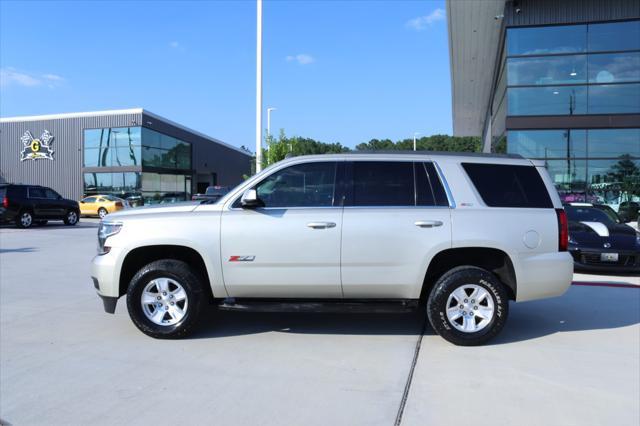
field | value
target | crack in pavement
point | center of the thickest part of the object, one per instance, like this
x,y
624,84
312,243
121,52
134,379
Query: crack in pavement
x,y
407,386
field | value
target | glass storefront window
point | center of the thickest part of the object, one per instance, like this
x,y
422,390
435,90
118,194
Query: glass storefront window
x,y
547,70
570,177
614,36
614,67
133,146
140,188
611,143
614,98
548,100
546,40
544,144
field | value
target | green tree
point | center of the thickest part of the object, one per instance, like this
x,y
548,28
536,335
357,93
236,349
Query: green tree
x,y
626,174
426,143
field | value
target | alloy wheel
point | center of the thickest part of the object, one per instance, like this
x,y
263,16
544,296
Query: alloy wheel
x,y
26,219
470,308
72,217
164,301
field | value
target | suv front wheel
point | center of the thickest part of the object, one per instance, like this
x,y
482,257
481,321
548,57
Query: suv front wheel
x,y
71,218
165,299
468,306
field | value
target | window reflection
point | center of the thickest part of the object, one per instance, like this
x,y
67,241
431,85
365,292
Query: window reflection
x,y
614,98
614,36
545,144
547,70
560,100
546,40
614,67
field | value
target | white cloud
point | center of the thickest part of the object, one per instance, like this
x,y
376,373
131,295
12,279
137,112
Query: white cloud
x,y
301,58
174,44
10,76
423,22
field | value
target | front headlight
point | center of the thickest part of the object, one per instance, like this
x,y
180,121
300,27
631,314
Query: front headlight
x,y
106,230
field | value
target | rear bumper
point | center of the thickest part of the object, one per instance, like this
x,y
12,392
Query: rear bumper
x,y
544,275
589,261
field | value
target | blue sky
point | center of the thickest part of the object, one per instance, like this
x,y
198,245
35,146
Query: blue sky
x,y
336,71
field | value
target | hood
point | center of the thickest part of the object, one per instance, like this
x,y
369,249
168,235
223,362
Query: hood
x,y
596,234
187,206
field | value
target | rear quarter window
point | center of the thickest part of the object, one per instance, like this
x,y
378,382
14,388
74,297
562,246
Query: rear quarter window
x,y
503,185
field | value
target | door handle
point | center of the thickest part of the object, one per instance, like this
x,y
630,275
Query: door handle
x,y
428,223
321,225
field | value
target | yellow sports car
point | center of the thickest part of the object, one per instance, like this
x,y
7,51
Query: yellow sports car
x,y
101,205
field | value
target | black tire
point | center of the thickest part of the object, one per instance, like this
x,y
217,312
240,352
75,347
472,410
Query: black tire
x,y
24,219
439,298
192,284
102,212
71,217
41,222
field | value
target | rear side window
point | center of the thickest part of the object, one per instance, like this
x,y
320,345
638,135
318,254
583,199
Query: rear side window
x,y
395,183
502,185
36,192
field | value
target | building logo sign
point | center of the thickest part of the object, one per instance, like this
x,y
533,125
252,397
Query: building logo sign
x,y
36,149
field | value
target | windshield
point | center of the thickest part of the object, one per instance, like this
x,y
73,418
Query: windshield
x,y
587,214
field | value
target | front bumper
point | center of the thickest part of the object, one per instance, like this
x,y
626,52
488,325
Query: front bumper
x,y
105,273
589,260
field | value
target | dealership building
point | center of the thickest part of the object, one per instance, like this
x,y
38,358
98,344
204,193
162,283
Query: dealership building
x,y
553,80
130,153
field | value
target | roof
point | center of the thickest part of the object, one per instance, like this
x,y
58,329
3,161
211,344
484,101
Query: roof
x,y
474,37
116,112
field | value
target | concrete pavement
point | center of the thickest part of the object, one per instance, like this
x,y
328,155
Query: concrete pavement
x,y
569,360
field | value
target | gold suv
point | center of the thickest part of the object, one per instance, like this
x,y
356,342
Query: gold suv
x,y
101,205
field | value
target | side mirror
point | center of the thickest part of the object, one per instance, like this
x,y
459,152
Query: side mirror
x,y
250,200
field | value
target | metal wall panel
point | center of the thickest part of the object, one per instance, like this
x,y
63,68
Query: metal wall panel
x,y
64,172
545,12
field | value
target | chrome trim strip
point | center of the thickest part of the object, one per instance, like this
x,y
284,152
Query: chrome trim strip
x,y
447,190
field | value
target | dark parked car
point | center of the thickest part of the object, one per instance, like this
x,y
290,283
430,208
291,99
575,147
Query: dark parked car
x,y
26,205
213,193
629,211
599,244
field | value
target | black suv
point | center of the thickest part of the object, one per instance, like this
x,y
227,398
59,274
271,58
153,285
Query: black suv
x,y
26,205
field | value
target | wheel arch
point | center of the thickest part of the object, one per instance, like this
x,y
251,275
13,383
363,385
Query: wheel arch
x,y
492,259
140,256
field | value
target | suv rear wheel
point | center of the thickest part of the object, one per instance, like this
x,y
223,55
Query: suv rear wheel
x,y
165,299
24,219
468,306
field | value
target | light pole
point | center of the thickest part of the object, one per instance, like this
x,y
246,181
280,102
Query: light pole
x,y
414,140
259,86
269,121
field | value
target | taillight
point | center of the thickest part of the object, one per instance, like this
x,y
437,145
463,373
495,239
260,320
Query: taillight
x,y
563,230
5,202
118,204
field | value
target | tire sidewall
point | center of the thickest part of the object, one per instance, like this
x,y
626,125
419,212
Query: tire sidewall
x,y
437,305
160,269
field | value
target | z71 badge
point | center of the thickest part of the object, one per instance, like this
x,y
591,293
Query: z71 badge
x,y
242,258
35,149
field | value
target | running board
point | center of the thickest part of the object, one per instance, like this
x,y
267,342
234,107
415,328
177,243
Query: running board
x,y
346,306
